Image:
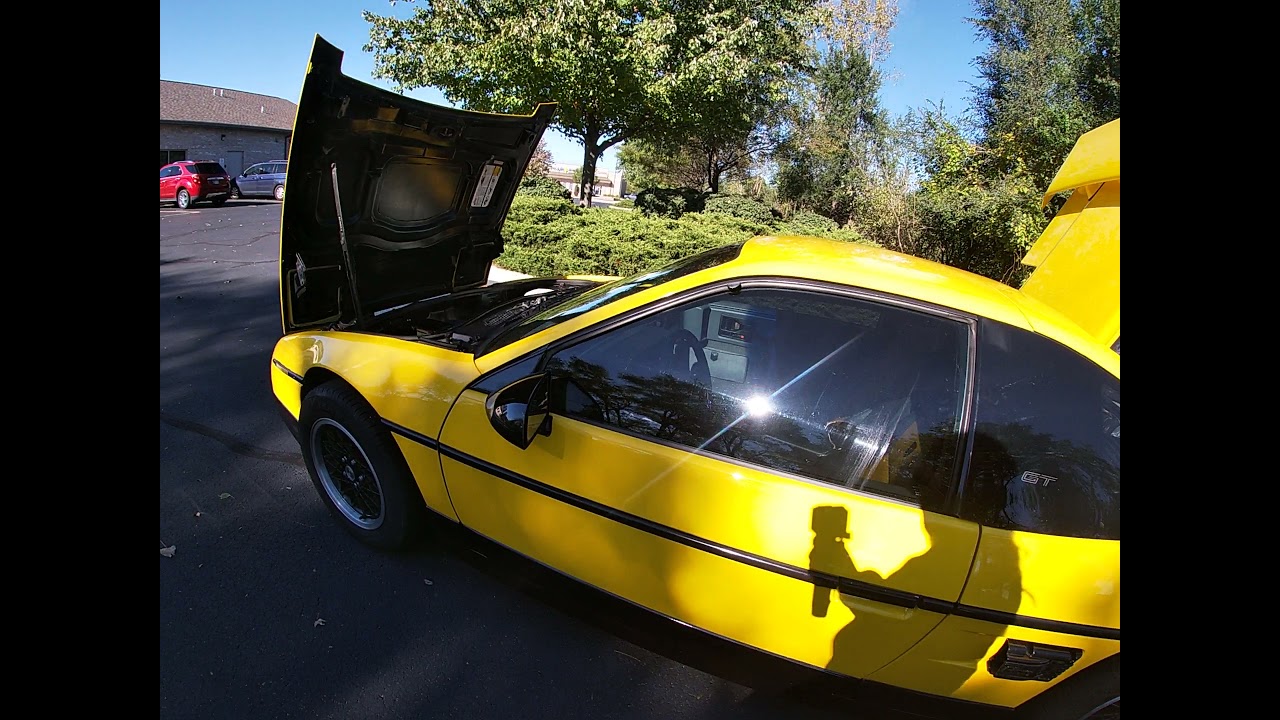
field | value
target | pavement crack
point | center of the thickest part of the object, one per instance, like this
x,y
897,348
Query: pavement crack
x,y
231,442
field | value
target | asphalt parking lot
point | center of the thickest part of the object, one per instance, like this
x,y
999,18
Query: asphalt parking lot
x,y
268,609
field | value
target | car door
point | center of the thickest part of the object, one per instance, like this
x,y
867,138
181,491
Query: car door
x,y
766,464
250,182
276,177
167,188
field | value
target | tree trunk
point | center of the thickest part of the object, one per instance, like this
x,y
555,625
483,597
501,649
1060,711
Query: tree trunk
x,y
590,151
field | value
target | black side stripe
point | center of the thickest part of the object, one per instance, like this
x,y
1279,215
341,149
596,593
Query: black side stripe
x,y
1008,618
286,370
868,591
411,434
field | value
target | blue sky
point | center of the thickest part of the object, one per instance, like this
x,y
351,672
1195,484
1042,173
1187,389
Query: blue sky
x,y
262,46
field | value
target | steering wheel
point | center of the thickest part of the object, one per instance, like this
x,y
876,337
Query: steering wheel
x,y
682,343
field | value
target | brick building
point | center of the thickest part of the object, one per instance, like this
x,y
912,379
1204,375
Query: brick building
x,y
237,129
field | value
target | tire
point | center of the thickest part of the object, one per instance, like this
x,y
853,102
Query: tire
x,y
278,193
218,203
1093,694
183,200
358,470
235,192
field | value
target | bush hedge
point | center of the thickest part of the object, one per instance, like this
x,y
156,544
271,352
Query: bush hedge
x,y
740,207
808,223
670,202
551,236
541,186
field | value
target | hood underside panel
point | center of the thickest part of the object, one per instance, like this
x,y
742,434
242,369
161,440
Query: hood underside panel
x,y
423,190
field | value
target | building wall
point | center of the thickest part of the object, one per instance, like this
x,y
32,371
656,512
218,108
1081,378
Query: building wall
x,y
205,142
608,183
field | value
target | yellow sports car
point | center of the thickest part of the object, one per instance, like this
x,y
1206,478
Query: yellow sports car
x,y
860,461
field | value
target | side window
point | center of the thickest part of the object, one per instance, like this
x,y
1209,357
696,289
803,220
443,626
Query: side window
x,y
253,170
168,172
277,169
1046,454
845,391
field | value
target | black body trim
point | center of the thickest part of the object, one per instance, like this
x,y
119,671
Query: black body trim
x,y
286,370
412,435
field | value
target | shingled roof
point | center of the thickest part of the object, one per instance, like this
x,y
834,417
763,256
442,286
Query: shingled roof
x,y
188,103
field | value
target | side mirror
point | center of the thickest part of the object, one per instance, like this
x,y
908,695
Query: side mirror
x,y
519,411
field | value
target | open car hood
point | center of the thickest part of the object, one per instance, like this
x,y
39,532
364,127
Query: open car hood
x,y
424,191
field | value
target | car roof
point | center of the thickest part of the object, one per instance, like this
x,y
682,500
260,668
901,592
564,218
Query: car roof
x,y
879,269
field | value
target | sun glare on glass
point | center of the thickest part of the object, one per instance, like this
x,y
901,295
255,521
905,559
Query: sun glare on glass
x,y
759,406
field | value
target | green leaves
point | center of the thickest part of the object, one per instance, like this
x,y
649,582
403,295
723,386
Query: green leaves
x,y
619,70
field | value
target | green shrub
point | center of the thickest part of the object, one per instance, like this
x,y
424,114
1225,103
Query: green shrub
x,y
806,222
553,237
739,207
607,242
670,202
541,186
624,203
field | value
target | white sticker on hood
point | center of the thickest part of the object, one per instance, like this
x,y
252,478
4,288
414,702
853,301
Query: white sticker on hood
x,y
485,185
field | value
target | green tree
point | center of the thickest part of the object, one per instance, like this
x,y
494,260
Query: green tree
x,y
540,163
1051,72
1098,28
976,210
837,133
1029,106
703,160
619,70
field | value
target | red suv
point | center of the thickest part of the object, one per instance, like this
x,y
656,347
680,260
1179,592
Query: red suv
x,y
186,182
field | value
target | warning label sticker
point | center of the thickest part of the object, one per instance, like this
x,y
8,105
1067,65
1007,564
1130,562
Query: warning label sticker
x,y
488,181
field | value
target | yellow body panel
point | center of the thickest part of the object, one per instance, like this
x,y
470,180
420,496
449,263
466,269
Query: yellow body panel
x,y
888,544
1077,257
408,383
1074,580
1065,579
952,661
1093,160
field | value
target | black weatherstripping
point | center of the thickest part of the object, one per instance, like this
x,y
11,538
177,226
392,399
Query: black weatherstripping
x,y
286,370
868,591
411,435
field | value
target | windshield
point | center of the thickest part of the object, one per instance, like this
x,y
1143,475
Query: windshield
x,y
609,292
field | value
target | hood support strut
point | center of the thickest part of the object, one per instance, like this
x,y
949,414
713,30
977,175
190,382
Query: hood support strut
x,y
347,263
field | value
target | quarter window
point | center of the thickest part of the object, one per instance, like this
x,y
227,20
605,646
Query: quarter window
x,y
845,391
1046,455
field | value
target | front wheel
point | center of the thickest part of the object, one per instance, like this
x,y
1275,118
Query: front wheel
x,y
183,199
235,192
279,192
357,468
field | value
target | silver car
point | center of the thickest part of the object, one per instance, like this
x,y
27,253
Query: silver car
x,y
261,180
